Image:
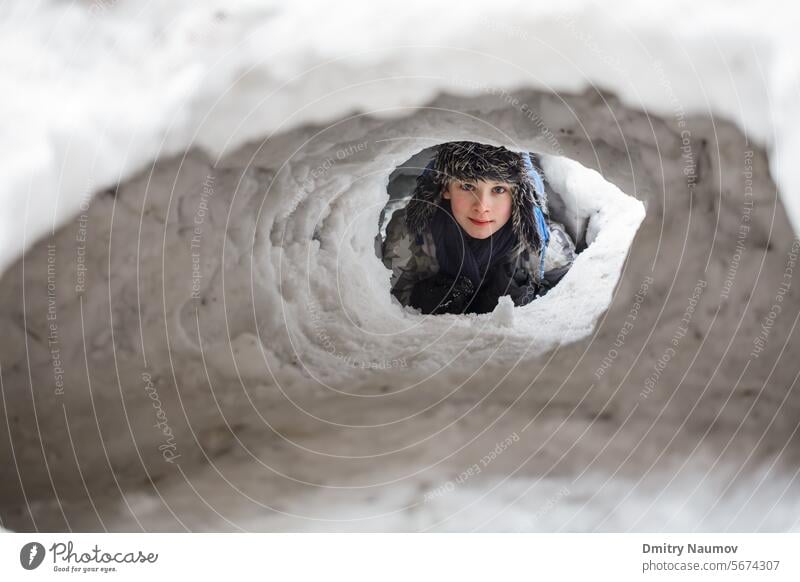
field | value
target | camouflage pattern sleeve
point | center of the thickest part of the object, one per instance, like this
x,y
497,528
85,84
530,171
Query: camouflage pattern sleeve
x,y
406,259
560,250
558,258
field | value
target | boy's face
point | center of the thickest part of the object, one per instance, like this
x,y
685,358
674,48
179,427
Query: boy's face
x,y
480,207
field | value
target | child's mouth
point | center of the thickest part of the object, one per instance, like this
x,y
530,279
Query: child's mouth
x,y
480,222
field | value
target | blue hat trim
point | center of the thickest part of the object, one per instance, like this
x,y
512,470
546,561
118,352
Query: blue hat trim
x,y
541,222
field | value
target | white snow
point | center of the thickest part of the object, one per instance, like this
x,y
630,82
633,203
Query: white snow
x,y
95,91
503,314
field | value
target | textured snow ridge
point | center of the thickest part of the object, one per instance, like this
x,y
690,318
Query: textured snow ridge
x,y
261,269
86,105
199,335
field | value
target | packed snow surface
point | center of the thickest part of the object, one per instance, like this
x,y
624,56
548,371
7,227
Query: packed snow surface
x,y
199,335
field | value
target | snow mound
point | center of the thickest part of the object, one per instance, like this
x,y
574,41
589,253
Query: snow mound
x,y
192,190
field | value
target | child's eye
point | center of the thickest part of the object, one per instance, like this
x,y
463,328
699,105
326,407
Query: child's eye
x,y
499,189
466,186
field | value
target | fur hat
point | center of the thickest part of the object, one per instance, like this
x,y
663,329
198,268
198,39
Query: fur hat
x,y
464,160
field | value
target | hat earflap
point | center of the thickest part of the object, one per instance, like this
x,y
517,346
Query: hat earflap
x,y
539,209
424,199
523,215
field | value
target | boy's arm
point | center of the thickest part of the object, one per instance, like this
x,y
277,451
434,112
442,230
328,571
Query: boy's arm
x,y
399,256
558,259
442,294
559,256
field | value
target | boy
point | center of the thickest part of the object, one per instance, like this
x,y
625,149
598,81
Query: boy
x,y
476,228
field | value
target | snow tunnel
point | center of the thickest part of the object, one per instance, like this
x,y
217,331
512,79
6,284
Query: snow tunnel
x,y
199,334
580,203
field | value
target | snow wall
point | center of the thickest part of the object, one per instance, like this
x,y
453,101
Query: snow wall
x,y
199,334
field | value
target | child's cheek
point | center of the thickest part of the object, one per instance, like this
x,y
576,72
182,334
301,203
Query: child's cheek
x,y
460,205
504,210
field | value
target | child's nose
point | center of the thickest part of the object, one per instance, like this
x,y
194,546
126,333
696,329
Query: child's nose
x,y
481,201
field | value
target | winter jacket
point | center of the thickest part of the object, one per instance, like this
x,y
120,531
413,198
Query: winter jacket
x,y
409,248
412,260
